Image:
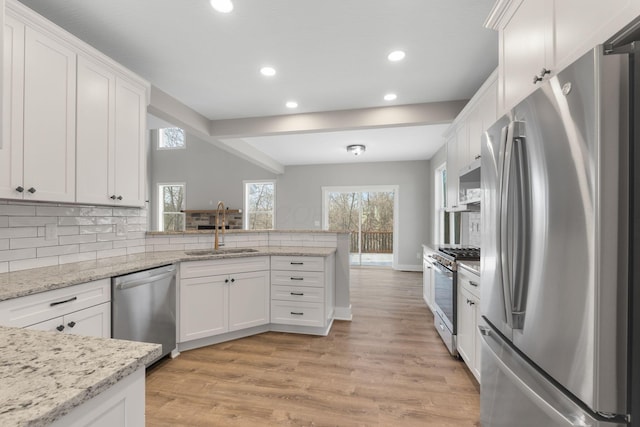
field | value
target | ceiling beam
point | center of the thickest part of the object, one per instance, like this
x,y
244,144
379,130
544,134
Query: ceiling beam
x,y
365,118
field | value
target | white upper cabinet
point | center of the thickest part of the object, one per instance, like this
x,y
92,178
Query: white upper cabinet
x,y
111,137
74,121
538,38
40,119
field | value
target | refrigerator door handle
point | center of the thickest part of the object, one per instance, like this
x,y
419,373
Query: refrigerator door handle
x,y
503,240
522,224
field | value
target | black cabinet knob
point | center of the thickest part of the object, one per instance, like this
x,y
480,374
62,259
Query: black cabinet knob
x,y
60,328
71,324
31,190
113,197
119,197
226,280
233,280
19,189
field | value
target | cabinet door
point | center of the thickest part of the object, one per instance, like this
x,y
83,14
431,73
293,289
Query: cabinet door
x,y
462,146
524,40
51,325
452,172
11,167
426,282
475,132
248,300
49,119
466,327
91,322
203,307
95,132
130,129
478,342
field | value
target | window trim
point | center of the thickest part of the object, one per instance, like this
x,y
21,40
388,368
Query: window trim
x,y
159,139
160,204
245,200
439,203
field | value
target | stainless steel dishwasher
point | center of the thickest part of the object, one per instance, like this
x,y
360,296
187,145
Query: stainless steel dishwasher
x,y
143,307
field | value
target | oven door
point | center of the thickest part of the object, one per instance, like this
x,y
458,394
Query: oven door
x,y
445,295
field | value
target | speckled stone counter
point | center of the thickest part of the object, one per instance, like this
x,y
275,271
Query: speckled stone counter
x,y
44,376
26,282
472,266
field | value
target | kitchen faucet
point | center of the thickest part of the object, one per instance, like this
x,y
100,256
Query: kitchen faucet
x,y
216,243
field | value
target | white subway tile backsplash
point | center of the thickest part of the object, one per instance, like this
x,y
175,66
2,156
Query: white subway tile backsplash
x,y
136,250
111,252
93,247
17,210
94,211
56,250
6,233
31,242
126,212
96,229
25,264
12,255
4,244
79,257
4,222
69,230
4,267
57,211
77,238
76,220
30,221
107,237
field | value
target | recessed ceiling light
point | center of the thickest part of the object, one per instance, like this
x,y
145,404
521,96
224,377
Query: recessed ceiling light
x,y
268,71
390,97
396,55
356,149
223,6
292,104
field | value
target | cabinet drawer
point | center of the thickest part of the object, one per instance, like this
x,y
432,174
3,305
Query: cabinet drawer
x,y
299,263
469,282
297,313
223,266
31,309
297,278
297,293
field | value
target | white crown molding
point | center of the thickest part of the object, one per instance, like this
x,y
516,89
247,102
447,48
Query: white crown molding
x,y
497,13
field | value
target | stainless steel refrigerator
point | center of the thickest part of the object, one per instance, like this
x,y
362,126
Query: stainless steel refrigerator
x,y
555,264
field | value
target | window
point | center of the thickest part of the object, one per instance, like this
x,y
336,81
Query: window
x,y
259,204
170,138
171,202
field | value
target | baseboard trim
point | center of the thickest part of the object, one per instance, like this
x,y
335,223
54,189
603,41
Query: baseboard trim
x,y
343,313
408,267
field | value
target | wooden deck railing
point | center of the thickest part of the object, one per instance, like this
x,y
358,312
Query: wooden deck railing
x,y
373,242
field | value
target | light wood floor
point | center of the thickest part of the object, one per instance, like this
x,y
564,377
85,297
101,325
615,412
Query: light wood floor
x,y
387,367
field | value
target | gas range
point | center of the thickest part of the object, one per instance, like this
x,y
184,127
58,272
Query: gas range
x,y
448,255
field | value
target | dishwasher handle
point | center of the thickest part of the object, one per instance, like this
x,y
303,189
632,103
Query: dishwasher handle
x,y
146,280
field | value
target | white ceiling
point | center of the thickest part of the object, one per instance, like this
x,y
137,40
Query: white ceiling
x,y
329,55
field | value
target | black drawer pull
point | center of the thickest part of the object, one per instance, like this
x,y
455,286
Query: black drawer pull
x,y
60,328
297,278
298,294
472,283
297,313
53,304
71,324
297,263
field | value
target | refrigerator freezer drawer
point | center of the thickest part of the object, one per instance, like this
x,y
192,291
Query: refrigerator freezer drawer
x,y
513,393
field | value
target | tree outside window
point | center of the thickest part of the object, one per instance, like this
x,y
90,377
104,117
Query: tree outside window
x,y
171,204
259,205
170,138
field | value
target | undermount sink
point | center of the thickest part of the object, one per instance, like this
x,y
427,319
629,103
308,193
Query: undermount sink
x,y
203,252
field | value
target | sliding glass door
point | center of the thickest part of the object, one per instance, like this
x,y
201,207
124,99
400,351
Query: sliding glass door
x,y
368,214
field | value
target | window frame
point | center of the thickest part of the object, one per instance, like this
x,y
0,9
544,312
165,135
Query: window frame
x,y
245,202
160,202
440,204
159,139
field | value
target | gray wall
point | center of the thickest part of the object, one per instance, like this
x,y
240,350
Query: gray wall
x,y
210,174
299,198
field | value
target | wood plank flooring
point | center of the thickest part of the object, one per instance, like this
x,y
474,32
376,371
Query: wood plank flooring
x,y
388,367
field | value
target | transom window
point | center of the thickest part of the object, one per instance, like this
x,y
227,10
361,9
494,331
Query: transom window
x,y
170,138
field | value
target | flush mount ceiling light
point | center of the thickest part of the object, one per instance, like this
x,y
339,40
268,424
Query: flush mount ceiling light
x,y
390,97
222,6
291,104
268,71
356,149
396,55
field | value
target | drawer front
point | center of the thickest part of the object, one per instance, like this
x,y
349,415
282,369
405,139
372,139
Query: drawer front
x,y
470,282
297,293
297,278
31,309
299,263
191,269
297,313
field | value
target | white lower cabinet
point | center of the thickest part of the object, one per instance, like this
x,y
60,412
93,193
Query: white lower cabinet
x,y
83,309
302,291
468,338
428,291
221,296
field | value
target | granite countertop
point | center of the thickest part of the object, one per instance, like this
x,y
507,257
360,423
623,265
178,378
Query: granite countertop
x,y
209,231
46,375
471,266
26,282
